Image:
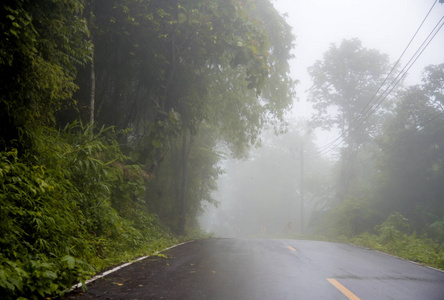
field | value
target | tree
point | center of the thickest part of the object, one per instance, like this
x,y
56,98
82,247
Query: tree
x,y
410,164
251,101
179,65
41,43
344,83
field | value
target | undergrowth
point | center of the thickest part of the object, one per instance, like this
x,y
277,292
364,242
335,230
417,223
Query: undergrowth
x,y
394,237
69,208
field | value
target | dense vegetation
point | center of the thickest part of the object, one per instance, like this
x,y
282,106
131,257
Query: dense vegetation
x,y
111,114
389,175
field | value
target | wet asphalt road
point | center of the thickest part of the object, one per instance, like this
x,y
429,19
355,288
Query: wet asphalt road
x,y
270,269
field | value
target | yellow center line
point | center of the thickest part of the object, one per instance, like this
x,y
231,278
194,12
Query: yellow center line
x,y
291,248
343,289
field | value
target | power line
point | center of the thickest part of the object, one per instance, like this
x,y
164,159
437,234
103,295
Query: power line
x,y
330,146
407,67
341,138
395,82
394,66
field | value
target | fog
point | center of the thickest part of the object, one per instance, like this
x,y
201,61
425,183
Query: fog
x,y
261,196
264,196
386,26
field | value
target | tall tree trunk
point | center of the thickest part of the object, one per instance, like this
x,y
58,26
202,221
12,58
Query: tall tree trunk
x,y
89,24
348,165
93,87
183,189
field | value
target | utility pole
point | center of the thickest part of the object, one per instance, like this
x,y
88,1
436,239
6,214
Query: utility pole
x,y
302,185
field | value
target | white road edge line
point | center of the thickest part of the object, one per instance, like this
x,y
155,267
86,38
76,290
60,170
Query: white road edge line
x,y
78,285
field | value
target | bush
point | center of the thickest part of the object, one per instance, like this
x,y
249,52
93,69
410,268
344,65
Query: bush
x,y
349,218
37,277
68,208
394,229
394,237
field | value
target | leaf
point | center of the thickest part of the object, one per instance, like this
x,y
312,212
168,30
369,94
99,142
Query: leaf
x,y
50,274
70,261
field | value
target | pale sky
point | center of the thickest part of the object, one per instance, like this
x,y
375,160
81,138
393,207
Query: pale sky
x,y
385,25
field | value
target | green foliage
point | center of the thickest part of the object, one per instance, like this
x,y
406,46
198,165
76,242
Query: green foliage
x,y
394,237
58,212
393,228
406,189
40,230
41,42
163,193
196,234
436,229
180,65
348,218
34,277
412,152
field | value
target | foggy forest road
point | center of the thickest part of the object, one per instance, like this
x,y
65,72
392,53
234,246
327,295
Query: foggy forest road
x,y
269,269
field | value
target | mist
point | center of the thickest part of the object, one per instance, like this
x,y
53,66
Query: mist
x,y
338,184
261,195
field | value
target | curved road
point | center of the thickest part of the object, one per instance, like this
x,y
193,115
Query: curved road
x,y
269,269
